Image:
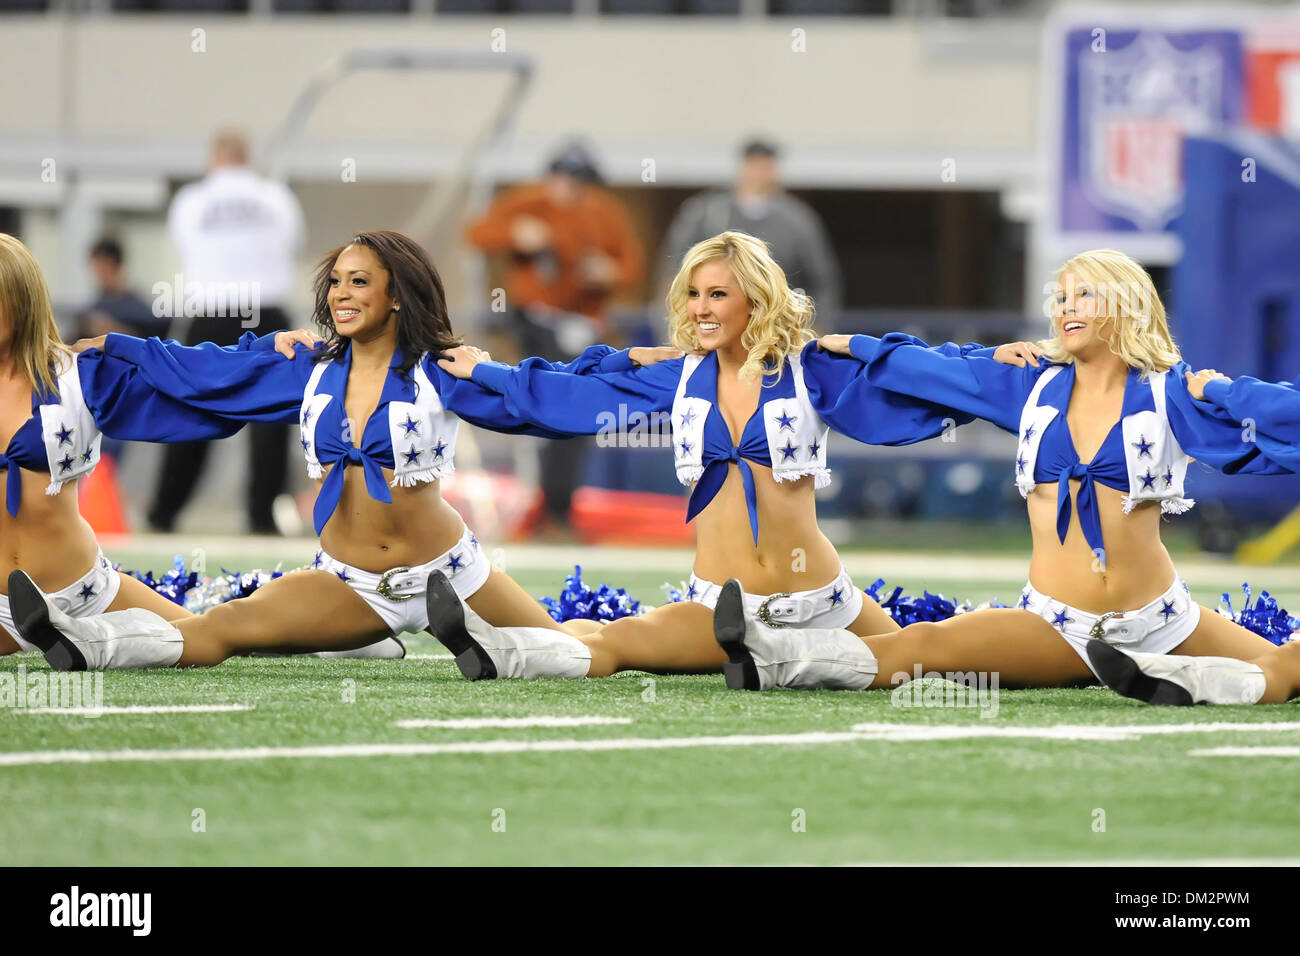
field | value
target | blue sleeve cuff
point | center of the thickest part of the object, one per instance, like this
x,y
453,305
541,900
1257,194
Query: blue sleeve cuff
x,y
864,347
249,342
617,362
1216,391
494,376
125,347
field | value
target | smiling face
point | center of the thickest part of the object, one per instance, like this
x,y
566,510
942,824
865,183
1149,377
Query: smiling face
x,y
717,306
358,300
1082,319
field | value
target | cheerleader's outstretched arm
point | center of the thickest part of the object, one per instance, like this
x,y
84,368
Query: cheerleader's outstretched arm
x,y
247,382
899,390
1252,430
1267,411
567,402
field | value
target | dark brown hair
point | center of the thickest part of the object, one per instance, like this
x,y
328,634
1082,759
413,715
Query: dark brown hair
x,y
422,322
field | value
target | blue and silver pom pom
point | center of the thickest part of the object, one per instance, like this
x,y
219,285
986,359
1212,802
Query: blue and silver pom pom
x,y
197,594
1266,618
581,603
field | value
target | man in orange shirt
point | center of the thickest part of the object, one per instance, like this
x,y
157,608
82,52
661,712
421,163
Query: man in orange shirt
x,y
571,247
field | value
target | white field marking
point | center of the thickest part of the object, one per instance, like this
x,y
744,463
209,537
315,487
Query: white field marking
x,y
910,732
473,723
1245,752
430,657
22,759
549,746
139,709
675,563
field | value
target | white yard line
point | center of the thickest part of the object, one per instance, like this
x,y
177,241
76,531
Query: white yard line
x,y
1245,752
138,709
911,732
871,732
430,657
419,750
474,723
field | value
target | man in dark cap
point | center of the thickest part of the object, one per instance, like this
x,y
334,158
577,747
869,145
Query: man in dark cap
x,y
760,206
569,248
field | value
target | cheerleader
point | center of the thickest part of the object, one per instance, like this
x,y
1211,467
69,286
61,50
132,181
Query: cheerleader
x,y
1106,429
378,422
56,407
1272,412
752,406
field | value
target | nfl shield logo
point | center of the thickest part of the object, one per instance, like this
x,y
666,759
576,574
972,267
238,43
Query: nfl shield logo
x,y
1136,104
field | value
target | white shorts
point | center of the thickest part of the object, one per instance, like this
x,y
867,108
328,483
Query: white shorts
x,y
1155,629
397,595
838,604
90,594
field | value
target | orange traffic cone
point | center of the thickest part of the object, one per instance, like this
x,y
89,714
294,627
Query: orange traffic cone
x,y
101,501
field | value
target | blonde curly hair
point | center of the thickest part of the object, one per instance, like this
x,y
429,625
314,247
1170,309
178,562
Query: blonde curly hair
x,y
781,321
25,303
1125,296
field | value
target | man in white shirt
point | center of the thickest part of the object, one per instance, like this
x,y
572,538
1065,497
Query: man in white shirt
x,y
239,235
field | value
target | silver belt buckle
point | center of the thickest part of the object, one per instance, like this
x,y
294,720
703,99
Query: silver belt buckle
x,y
386,590
765,614
1096,633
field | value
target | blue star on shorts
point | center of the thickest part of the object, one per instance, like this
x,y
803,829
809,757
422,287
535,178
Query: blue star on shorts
x,y
836,597
1168,609
1061,620
454,564
691,593
87,592
1024,601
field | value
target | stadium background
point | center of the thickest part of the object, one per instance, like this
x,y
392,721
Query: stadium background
x,y
933,137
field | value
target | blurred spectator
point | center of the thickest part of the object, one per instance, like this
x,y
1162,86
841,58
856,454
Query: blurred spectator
x,y
571,247
116,308
238,235
760,206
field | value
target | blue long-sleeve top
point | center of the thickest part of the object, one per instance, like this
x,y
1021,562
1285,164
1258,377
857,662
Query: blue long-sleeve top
x,y
1269,410
253,382
119,403
837,389
977,386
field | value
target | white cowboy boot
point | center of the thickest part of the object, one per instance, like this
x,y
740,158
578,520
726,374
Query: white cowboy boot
x,y
118,639
1177,679
484,652
761,657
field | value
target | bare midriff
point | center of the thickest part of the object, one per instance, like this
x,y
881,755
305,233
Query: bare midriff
x,y
1137,568
792,554
48,538
375,536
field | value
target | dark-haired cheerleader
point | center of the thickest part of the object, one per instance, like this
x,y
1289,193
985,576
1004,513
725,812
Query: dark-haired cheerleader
x,y
378,422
